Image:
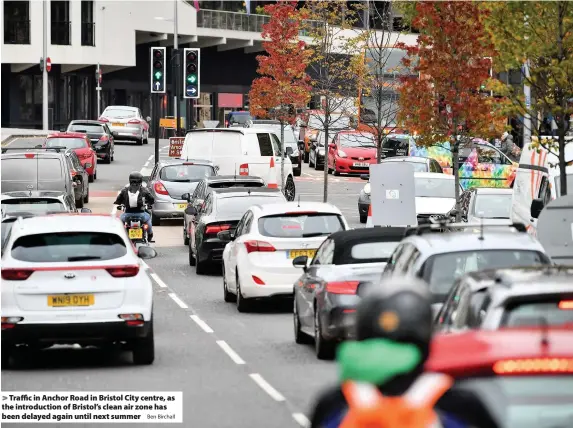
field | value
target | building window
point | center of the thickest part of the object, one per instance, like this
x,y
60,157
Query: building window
x,y
17,22
60,22
88,26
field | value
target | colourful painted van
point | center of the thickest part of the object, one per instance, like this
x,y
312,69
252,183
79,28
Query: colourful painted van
x,y
481,164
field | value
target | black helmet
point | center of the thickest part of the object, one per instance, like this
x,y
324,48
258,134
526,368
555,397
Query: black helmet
x,y
398,309
136,177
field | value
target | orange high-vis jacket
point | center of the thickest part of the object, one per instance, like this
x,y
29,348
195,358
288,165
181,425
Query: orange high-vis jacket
x,y
368,408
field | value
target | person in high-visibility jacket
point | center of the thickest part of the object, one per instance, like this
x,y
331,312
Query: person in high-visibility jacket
x,y
383,383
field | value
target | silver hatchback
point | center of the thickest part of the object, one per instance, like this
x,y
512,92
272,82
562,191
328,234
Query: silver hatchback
x,y
127,122
172,178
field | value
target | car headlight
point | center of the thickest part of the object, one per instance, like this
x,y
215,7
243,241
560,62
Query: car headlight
x,y
341,154
320,152
367,188
295,153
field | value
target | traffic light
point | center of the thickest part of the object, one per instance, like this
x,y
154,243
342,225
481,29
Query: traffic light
x,y
191,72
158,69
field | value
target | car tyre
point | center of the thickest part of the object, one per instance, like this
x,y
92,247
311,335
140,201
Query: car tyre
x,y
185,238
144,349
146,141
112,155
155,221
227,295
310,164
80,202
317,166
192,260
297,172
243,305
87,197
290,189
363,218
139,142
324,349
299,337
107,158
200,267
306,157
91,178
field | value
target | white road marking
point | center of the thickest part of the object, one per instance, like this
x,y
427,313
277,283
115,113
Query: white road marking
x,y
145,265
146,164
114,211
307,174
163,285
232,354
277,396
301,419
150,158
177,300
201,324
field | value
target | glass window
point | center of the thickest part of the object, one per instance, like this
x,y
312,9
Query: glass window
x,y
276,144
397,143
240,119
489,155
300,225
493,206
119,113
87,128
185,173
236,206
68,143
546,309
357,140
418,166
35,205
380,251
265,144
68,247
242,183
435,187
558,183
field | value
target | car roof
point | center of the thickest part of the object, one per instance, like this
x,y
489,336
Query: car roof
x,y
492,191
230,178
180,161
413,159
517,275
67,135
471,352
240,112
295,207
38,153
237,130
346,237
69,222
121,108
32,194
233,191
86,122
433,175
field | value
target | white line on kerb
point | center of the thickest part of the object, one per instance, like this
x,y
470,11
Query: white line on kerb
x,y
160,282
177,300
150,158
277,396
232,354
201,324
301,419
146,164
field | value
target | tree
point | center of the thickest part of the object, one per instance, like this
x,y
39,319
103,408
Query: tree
x,y
334,61
284,82
540,33
444,103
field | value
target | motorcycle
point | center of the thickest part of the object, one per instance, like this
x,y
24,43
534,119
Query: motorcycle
x,y
135,228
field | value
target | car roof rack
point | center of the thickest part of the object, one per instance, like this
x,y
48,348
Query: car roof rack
x,y
446,225
57,149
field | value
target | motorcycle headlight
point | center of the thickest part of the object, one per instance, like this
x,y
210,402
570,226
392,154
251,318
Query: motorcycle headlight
x,y
341,154
367,188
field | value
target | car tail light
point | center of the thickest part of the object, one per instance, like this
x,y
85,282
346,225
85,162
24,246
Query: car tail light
x,y
10,322
133,320
103,119
134,121
30,155
160,188
216,229
566,304
258,280
188,163
342,287
103,138
244,169
123,271
16,274
349,311
533,365
259,247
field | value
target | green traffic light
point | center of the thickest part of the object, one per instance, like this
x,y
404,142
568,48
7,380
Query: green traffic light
x,y
191,78
158,75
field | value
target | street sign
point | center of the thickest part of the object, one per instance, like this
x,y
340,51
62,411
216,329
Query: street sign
x,y
48,64
555,230
392,194
175,146
191,91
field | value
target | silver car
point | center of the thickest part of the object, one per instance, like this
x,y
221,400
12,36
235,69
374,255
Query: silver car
x,y
127,122
169,180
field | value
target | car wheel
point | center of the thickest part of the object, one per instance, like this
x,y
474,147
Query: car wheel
x,y
297,172
144,349
200,267
107,158
91,178
80,202
243,305
290,189
112,155
317,166
363,218
155,221
146,141
87,197
185,237
192,260
334,171
95,174
227,295
306,157
323,348
139,142
299,336
310,164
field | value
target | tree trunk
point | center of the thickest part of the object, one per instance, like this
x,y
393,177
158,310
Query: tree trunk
x,y
282,156
562,160
326,126
456,169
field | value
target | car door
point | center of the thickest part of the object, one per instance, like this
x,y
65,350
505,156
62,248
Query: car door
x,y
267,152
188,218
276,143
80,170
235,245
196,226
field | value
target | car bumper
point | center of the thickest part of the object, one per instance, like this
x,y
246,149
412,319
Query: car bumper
x,y
168,209
346,166
128,133
69,333
102,150
338,322
276,284
211,250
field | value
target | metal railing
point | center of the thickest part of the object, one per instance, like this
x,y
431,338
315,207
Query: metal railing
x,y
16,32
61,32
88,34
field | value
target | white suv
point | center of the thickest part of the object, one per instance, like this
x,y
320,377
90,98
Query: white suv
x,y
75,279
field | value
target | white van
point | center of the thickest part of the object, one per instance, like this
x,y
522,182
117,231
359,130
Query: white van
x,y
537,179
240,151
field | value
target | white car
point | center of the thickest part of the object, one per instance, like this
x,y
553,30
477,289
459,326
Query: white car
x,y
75,279
435,195
257,262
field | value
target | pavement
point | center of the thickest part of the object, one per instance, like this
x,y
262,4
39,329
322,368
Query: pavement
x,y
235,370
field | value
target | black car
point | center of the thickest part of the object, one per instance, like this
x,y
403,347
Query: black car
x,y
221,210
80,179
36,202
207,185
101,137
326,295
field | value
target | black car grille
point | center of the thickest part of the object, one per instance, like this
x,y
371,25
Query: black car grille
x,y
361,159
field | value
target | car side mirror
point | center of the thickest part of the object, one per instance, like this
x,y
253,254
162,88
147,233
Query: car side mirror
x,y
300,262
148,119
190,210
224,236
186,197
145,252
288,151
88,165
332,146
85,211
536,207
115,134
365,177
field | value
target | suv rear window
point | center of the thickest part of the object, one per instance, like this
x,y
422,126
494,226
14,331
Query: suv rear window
x,y
90,128
300,225
229,184
372,251
236,206
554,311
186,173
240,118
68,247
39,205
68,143
48,169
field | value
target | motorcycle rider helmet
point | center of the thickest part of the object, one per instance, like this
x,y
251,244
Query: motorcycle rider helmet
x,y
135,178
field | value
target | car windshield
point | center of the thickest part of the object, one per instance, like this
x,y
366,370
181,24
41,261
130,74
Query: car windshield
x,y
418,166
240,118
186,173
558,183
357,140
300,225
443,269
236,206
32,205
68,247
435,187
119,113
493,206
394,143
552,310
68,143
372,251
89,128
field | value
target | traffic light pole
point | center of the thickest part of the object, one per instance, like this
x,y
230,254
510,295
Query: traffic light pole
x,y
156,108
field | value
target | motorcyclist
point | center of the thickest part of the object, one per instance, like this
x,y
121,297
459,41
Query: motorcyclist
x,y
133,198
382,373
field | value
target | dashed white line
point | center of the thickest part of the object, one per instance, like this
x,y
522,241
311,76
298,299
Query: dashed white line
x,y
145,265
177,300
301,419
150,158
146,164
265,386
201,324
232,354
160,282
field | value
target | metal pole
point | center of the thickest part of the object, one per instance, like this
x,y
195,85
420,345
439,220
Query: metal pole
x,y
98,90
156,115
527,116
176,112
45,71
283,155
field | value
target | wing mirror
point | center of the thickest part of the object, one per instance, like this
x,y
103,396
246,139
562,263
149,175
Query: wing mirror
x,y
85,211
226,235
190,210
115,134
145,252
186,197
536,207
148,119
365,177
288,151
301,262
88,165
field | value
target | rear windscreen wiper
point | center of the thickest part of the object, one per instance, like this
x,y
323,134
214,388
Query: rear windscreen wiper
x,y
311,235
82,258
180,181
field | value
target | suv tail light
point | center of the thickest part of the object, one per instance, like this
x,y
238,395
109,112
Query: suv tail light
x,y
533,365
134,121
259,247
216,229
16,274
244,169
103,119
160,188
342,287
566,304
123,271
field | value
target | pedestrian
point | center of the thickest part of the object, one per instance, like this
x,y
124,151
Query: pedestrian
x,y
508,147
381,370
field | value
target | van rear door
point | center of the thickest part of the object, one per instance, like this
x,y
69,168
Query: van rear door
x,y
223,148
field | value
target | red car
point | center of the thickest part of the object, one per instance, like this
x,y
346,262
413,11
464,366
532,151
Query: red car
x,y
80,144
524,375
351,152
